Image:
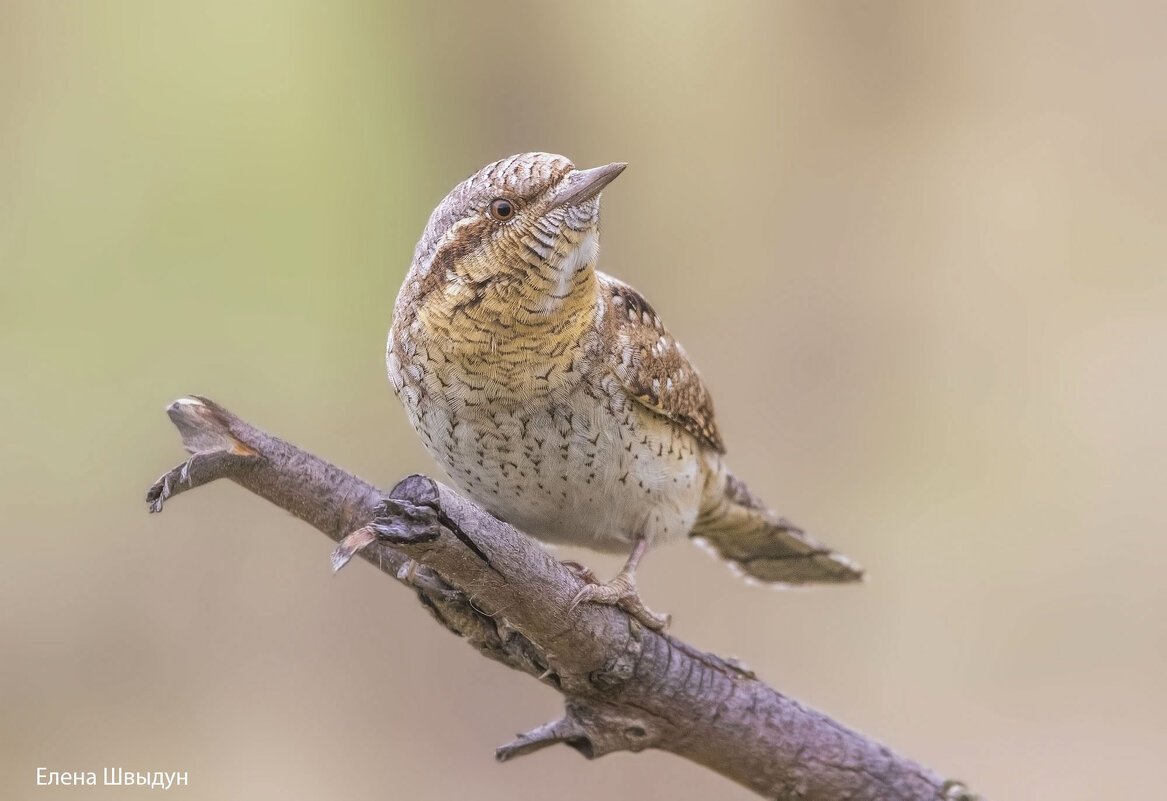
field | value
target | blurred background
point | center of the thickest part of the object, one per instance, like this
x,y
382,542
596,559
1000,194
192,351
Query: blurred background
x,y
917,249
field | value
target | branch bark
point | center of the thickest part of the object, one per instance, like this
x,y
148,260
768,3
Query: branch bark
x,y
626,688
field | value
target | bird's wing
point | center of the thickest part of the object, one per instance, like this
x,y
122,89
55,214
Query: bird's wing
x,y
652,366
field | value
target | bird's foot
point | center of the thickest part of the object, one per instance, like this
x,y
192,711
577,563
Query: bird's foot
x,y
620,591
581,570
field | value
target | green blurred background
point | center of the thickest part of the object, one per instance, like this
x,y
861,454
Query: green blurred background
x,y
917,249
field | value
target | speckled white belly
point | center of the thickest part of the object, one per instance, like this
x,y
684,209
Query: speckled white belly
x,y
590,468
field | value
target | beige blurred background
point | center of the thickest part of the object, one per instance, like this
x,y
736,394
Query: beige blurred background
x,y
917,249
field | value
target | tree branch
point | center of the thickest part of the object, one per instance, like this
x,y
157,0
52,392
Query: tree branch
x,y
626,687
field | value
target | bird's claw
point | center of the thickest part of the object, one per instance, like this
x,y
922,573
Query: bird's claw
x,y
581,571
621,592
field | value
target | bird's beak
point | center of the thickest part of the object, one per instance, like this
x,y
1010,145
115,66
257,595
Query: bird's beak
x,y
584,185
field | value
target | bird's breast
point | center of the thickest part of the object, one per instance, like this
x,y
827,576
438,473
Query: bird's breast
x,y
478,342
526,416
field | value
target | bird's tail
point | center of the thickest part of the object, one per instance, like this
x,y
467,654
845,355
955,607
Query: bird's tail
x,y
760,543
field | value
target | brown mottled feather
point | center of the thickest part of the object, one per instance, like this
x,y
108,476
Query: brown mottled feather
x,y
512,354
762,544
652,366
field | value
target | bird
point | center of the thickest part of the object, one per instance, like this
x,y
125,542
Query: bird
x,y
553,395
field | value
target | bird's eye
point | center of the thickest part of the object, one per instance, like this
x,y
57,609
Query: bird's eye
x,y
502,209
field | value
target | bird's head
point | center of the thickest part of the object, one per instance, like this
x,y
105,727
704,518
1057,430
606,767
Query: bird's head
x,y
530,219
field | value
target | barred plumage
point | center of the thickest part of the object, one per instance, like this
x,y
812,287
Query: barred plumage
x,y
553,394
